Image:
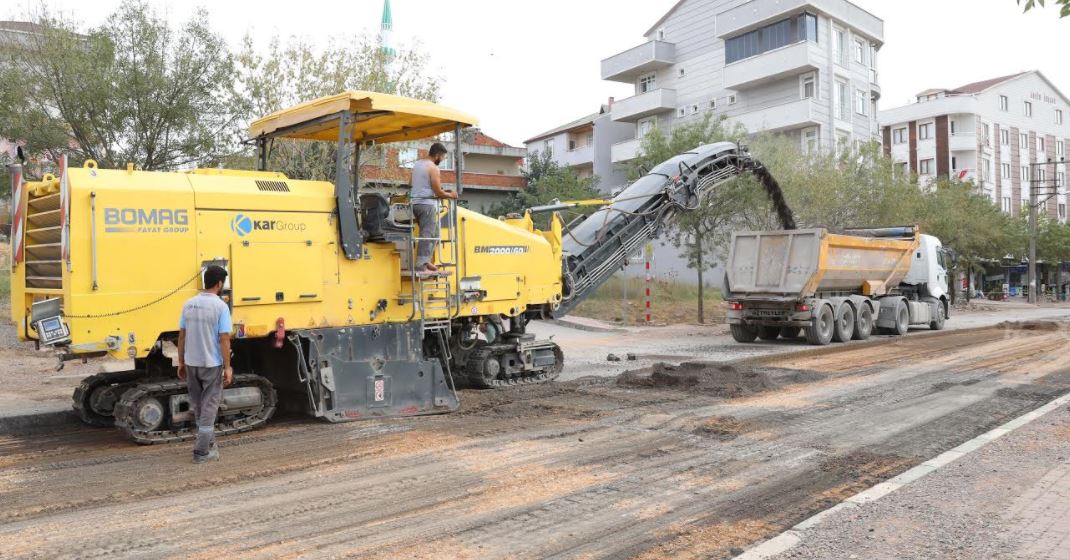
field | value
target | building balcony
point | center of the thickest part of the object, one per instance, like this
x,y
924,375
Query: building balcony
x,y
582,155
795,114
772,65
950,105
750,15
625,151
874,87
643,105
628,65
963,142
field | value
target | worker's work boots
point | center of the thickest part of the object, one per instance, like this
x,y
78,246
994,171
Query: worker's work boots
x,y
212,455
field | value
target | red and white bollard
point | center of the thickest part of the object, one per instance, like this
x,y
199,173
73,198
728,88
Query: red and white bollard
x,y
649,252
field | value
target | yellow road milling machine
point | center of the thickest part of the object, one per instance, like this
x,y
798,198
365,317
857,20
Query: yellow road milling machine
x,y
330,318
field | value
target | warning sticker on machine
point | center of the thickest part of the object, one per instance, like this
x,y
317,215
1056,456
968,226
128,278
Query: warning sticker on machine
x,y
501,249
380,390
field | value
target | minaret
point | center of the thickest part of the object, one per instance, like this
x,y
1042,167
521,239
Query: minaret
x,y
386,31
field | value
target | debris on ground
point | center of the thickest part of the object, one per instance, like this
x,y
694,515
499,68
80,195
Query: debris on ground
x,y
632,357
613,358
705,377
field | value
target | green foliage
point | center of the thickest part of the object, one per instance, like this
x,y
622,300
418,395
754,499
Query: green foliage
x,y
131,90
1064,6
1053,241
547,182
295,70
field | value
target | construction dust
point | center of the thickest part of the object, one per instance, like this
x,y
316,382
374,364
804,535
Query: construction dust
x,y
722,380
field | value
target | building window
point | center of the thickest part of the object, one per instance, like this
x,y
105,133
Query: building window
x,y
1040,143
925,167
899,136
842,101
1005,137
732,99
951,124
1060,178
407,157
1028,109
839,46
661,34
648,83
1005,170
1041,176
925,131
773,36
1060,148
1023,174
1023,141
646,125
1007,204
843,140
808,85
1004,103
713,104
986,169
548,148
954,163
810,141
681,112
986,134
860,51
861,102
1062,211
681,72
1058,116
694,109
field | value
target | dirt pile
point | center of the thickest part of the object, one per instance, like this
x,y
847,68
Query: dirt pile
x,y
1047,326
711,378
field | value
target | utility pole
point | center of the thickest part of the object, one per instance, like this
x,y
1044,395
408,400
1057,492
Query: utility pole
x,y
1035,185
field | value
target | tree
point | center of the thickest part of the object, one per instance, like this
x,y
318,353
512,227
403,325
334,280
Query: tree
x,y
1064,6
548,181
131,90
293,71
699,234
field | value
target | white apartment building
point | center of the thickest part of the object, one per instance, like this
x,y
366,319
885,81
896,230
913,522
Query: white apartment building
x,y
988,133
584,145
804,68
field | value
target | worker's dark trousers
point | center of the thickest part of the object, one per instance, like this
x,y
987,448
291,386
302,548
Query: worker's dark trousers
x,y
205,392
427,218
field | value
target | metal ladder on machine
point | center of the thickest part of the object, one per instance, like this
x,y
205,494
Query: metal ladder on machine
x,y
432,294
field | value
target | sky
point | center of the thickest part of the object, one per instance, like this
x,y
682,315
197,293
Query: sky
x,y
524,67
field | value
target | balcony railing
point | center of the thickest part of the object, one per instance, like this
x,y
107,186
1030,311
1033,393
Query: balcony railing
x,y
644,105
625,151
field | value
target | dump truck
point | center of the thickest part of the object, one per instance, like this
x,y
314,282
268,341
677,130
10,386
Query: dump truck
x,y
834,286
331,318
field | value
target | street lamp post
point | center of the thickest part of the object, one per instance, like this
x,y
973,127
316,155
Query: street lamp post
x,y
1035,200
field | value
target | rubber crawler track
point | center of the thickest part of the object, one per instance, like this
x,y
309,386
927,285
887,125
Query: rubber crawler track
x,y
475,361
84,393
124,410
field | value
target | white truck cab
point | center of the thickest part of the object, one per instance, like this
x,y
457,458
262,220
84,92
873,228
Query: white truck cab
x,y
928,268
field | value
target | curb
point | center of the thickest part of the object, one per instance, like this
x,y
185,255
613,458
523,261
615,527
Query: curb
x,y
790,538
583,327
16,424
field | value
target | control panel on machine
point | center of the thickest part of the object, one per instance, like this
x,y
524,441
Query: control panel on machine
x,y
52,331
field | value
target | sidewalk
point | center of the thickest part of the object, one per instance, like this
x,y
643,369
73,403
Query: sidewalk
x,y
1009,499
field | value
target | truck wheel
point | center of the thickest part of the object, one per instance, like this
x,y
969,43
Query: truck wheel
x,y
938,323
819,333
768,333
790,333
902,319
743,333
863,323
845,324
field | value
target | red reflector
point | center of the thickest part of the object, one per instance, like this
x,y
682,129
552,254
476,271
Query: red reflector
x,y
802,307
735,306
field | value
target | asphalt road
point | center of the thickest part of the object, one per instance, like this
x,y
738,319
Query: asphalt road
x,y
581,469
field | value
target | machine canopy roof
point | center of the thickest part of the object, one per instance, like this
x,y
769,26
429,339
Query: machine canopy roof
x,y
380,118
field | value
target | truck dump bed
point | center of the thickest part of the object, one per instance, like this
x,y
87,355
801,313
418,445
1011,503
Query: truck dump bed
x,y
801,263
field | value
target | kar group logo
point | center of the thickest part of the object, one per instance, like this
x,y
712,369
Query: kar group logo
x,y
241,225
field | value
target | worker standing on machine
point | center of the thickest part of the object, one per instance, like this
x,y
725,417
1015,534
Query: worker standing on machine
x,y
426,192
204,358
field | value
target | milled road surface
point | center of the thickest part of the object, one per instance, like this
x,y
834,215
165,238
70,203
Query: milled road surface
x,y
581,469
